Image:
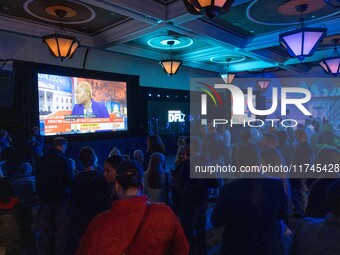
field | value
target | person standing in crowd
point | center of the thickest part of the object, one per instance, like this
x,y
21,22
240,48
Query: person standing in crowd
x,y
110,167
194,198
86,106
180,141
110,171
269,140
215,146
36,144
89,195
303,156
273,157
8,155
245,137
25,186
204,140
224,134
316,236
309,129
287,150
53,179
154,144
251,210
138,155
133,225
114,151
317,187
16,237
157,180
176,188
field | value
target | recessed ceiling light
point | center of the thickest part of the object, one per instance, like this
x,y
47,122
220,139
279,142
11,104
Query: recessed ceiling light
x,y
165,42
161,42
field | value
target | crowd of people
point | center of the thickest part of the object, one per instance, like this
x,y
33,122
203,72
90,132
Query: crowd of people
x,y
133,205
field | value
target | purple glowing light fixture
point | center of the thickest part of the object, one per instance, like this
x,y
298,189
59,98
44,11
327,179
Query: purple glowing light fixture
x,y
331,65
303,41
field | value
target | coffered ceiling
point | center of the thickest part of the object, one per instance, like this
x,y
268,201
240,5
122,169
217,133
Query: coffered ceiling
x,y
247,34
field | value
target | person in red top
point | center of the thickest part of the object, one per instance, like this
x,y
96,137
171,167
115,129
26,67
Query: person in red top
x,y
133,226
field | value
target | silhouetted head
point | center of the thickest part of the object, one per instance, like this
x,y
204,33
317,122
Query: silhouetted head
x,y
129,178
155,144
87,157
110,167
60,143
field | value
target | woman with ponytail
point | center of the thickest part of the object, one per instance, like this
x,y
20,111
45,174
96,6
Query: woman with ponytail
x,y
89,196
133,225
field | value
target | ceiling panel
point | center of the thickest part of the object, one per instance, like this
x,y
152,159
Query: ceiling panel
x,y
251,29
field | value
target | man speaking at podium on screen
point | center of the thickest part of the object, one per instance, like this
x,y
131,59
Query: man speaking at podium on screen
x,y
86,106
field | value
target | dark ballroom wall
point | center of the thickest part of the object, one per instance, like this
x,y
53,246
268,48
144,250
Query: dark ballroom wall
x,y
23,115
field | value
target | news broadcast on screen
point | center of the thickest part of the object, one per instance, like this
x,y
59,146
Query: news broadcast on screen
x,y
75,105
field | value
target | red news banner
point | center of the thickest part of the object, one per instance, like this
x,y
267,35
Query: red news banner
x,y
60,124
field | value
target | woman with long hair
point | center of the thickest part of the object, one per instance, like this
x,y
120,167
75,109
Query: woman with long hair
x,y
157,183
154,144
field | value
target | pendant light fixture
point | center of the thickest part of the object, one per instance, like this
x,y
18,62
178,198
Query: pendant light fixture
x,y
170,65
210,8
331,65
61,45
228,77
263,83
303,41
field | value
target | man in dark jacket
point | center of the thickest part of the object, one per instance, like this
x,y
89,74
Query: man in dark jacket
x,y
195,195
250,211
315,236
53,179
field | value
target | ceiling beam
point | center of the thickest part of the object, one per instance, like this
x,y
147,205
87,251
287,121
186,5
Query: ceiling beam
x,y
32,29
141,10
123,33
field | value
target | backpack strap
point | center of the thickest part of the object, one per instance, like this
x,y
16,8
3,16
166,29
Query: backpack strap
x,y
145,216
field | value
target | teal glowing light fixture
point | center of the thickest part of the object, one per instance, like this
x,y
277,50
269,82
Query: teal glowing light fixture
x,y
61,45
303,41
228,77
170,65
331,65
210,8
